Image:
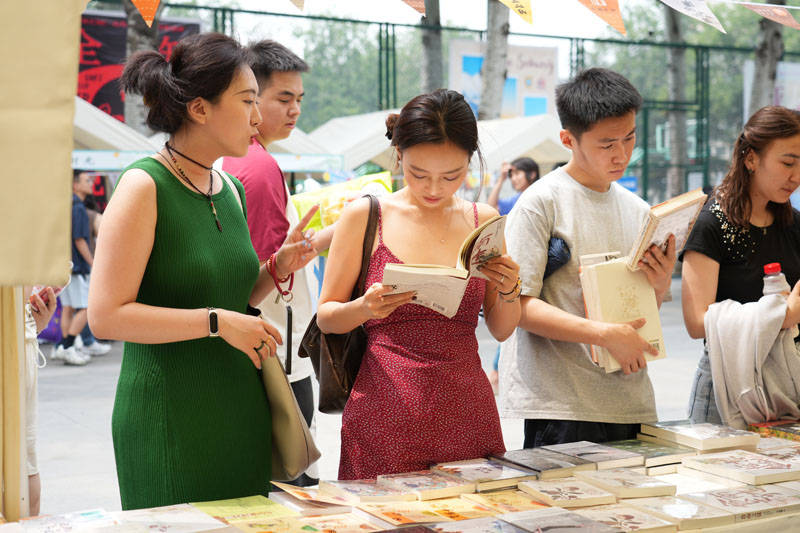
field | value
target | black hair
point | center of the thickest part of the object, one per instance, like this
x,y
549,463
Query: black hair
x,y
267,56
76,173
593,95
201,65
528,166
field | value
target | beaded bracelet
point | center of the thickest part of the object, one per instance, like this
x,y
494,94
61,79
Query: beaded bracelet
x,y
517,289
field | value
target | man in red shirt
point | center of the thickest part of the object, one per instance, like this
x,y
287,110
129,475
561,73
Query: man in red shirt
x,y
270,212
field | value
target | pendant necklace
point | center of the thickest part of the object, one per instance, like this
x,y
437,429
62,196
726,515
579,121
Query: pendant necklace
x,y
185,178
449,223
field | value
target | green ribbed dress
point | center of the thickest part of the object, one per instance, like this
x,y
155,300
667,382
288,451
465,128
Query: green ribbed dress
x,y
191,420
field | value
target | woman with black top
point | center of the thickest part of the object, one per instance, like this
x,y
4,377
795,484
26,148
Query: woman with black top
x,y
747,223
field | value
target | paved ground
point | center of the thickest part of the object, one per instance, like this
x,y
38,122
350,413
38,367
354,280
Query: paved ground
x,y
76,457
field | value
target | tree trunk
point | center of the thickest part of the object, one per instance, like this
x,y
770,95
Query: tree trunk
x,y
432,65
676,81
769,49
493,72
139,37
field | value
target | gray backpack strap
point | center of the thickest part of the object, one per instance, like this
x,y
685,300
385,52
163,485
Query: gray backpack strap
x,y
233,187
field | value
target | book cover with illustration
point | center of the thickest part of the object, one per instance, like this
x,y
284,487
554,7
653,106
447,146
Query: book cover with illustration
x,y
477,525
685,514
567,492
624,483
426,484
603,456
654,454
749,502
427,512
363,490
182,518
487,474
548,464
341,523
242,509
747,467
556,519
505,501
627,518
702,436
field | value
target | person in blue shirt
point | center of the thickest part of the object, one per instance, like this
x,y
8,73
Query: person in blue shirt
x,y
522,172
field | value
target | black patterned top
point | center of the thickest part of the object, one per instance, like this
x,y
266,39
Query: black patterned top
x,y
743,252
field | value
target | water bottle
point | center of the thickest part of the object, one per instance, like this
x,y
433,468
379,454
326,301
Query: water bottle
x,y
774,280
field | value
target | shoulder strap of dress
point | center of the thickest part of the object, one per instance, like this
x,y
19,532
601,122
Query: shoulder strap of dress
x,y
475,212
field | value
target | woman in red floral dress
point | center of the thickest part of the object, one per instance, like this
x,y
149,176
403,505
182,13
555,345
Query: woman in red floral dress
x,y
421,396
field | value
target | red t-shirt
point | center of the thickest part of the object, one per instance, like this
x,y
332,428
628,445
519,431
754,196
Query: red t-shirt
x,y
265,192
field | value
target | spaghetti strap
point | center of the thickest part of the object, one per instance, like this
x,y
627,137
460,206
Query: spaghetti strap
x,y
475,212
380,223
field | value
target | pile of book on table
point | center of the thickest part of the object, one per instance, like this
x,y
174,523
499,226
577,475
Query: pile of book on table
x,y
676,476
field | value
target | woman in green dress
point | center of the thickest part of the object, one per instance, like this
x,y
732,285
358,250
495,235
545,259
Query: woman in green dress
x,y
173,275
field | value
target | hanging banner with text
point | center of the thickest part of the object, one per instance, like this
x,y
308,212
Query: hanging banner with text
x,y
697,9
774,13
607,10
521,8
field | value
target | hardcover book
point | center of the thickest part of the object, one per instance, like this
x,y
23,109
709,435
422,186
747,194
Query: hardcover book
x,y
505,501
547,463
626,518
685,514
556,519
477,525
676,217
363,490
624,483
747,467
701,436
441,288
487,474
603,456
426,484
567,492
427,512
612,293
749,502
654,454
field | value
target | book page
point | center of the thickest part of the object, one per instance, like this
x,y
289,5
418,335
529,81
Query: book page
x,y
487,244
443,294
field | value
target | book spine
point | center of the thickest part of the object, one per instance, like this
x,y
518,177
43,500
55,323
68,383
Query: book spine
x,y
642,242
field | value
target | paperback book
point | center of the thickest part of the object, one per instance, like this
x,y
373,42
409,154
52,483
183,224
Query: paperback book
x,y
363,490
76,521
685,514
556,519
784,429
623,483
244,509
426,512
487,474
788,454
477,525
656,470
547,463
747,467
441,288
696,481
182,518
656,440
749,502
309,501
505,501
567,492
426,484
603,457
771,443
676,217
654,454
626,518
341,523
612,293
701,436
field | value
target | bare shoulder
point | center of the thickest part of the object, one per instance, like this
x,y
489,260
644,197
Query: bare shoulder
x,y
135,184
485,212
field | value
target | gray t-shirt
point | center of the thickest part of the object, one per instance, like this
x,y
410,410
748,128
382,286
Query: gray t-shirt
x,y
548,379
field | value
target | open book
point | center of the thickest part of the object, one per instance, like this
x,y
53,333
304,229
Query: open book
x,y
441,288
612,293
676,217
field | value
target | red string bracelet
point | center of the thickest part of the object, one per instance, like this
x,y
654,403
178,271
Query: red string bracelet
x,y
273,271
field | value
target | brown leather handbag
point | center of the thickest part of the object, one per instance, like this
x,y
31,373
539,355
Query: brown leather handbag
x,y
337,357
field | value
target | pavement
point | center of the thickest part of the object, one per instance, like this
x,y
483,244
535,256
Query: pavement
x,y
76,456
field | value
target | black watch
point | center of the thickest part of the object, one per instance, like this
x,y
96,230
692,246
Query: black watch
x,y
213,322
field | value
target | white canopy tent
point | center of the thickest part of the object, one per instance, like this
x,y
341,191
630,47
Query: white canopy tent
x,y
361,138
95,130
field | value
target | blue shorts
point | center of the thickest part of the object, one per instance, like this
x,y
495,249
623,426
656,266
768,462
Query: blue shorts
x,y
76,294
702,405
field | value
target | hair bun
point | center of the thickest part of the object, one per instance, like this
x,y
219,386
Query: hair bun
x,y
391,121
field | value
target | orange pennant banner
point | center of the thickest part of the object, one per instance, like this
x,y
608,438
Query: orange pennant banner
x,y
419,5
147,9
521,8
299,4
607,10
774,13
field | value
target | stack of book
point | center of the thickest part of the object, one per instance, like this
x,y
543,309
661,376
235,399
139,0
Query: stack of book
x,y
784,429
658,458
546,463
705,438
486,474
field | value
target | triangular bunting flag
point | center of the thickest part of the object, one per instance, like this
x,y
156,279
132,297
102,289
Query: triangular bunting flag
x,y
607,10
419,5
774,13
521,8
147,9
299,4
697,9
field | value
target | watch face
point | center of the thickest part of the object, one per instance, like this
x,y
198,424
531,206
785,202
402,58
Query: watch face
x,y
213,327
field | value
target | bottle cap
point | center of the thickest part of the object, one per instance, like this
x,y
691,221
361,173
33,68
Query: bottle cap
x,y
772,268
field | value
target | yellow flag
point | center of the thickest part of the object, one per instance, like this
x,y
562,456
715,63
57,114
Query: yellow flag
x,y
147,9
607,10
299,3
775,13
419,5
521,8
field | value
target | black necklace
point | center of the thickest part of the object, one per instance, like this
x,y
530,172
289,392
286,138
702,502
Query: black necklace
x,y
185,178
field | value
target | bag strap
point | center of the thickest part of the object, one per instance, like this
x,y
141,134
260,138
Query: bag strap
x,y
369,239
232,186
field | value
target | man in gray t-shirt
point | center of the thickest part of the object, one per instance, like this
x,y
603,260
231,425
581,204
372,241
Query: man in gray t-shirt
x,y
546,373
